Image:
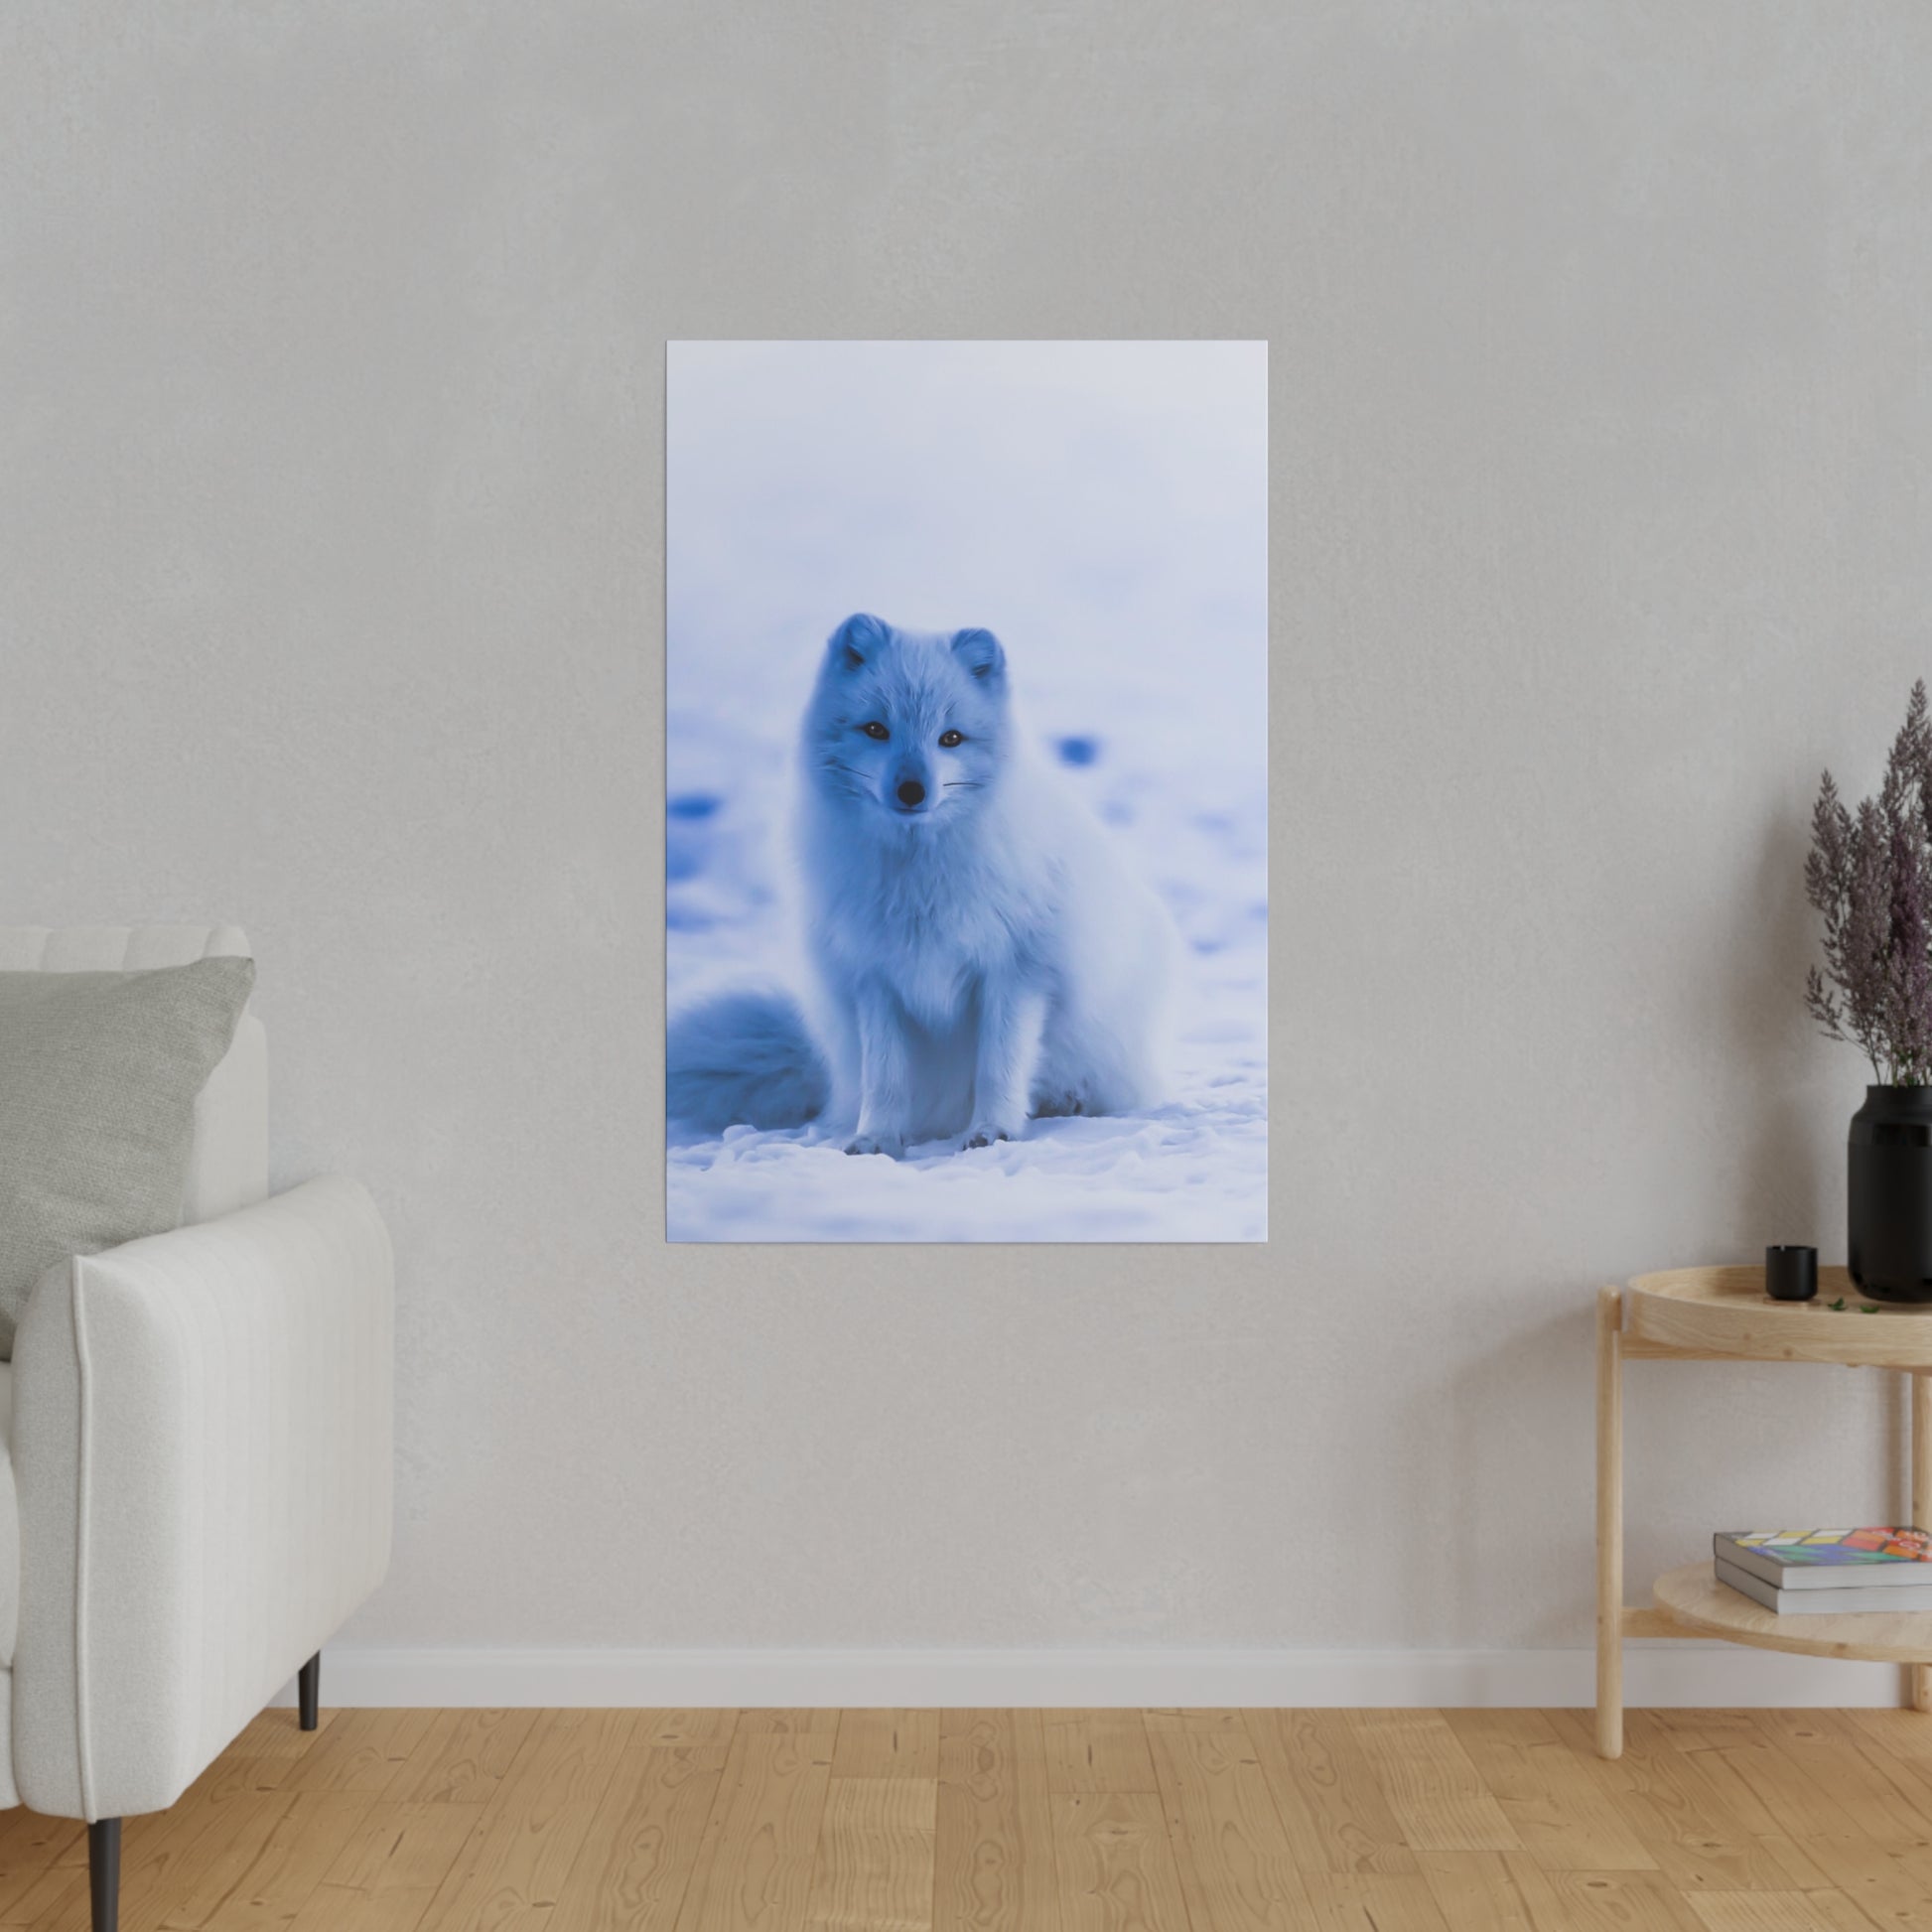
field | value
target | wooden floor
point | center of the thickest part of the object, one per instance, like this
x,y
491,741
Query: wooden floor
x,y
1028,1821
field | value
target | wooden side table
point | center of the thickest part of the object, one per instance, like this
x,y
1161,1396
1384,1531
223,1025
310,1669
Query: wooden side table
x,y
1707,1314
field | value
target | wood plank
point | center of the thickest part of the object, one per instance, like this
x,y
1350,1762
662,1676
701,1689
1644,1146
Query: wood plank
x,y
1373,1901
363,1750
31,1847
62,1897
1556,1802
1779,1911
1900,1733
1491,1891
1115,1866
294,1859
757,1864
1331,1806
645,1842
887,1744
994,1866
1699,1729
1714,1788
1709,1773
1618,1902
229,1775
1436,1793
384,1877
279,1734
219,1840
1890,1884
462,1760
51,1856
874,1869
1697,1842
686,1726
1895,1744
1884,1799
1774,1795
1097,1751
512,1866
1225,1724
1237,1871
800,1722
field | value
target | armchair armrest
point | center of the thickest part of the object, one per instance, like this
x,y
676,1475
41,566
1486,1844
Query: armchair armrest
x,y
203,1457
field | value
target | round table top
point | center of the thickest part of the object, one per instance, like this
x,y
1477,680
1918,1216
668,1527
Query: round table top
x,y
1726,1312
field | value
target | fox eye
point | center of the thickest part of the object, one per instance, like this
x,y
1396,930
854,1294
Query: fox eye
x,y
874,729
950,739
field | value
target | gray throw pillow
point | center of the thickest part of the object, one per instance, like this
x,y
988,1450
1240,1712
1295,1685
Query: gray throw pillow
x,y
98,1075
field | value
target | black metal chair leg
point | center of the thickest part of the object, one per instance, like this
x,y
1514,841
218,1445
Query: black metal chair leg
x,y
104,1872
308,1690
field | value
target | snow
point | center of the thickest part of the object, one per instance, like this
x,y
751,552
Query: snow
x,y
1102,506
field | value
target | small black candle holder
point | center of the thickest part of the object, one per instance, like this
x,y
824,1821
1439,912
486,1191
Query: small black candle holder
x,y
1791,1274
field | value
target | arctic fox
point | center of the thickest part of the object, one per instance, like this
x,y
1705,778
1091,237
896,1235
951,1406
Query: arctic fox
x,y
979,951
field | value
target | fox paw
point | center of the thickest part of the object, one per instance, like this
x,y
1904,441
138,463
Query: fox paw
x,y
890,1145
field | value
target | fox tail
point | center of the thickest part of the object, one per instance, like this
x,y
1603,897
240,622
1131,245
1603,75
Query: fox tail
x,y
742,1059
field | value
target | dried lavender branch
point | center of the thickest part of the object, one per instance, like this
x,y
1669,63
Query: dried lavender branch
x,y
1908,974
1868,876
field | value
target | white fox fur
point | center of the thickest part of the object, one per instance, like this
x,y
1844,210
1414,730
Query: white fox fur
x,y
980,951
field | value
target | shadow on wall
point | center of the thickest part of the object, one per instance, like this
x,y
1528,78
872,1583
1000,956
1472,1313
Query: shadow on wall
x,y
1765,1034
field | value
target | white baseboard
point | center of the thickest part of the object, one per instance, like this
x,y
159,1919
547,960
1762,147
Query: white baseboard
x,y
1665,1674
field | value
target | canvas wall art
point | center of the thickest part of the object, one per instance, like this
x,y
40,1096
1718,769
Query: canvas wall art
x,y
966,894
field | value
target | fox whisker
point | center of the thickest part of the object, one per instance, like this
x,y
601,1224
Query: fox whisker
x,y
854,783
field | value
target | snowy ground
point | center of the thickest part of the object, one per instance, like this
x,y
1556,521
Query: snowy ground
x,y
1130,593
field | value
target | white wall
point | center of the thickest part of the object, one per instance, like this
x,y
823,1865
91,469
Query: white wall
x,y
332,356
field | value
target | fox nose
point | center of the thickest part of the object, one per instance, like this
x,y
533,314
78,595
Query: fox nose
x,y
911,792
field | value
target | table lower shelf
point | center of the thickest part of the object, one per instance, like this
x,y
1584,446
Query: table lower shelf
x,y
1695,1602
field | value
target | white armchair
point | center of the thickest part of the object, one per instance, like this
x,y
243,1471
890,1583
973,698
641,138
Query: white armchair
x,y
198,1490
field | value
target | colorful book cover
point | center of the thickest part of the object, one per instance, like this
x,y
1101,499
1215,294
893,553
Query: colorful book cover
x,y
1822,1549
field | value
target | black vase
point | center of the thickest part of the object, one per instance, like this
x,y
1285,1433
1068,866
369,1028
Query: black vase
x,y
1890,1195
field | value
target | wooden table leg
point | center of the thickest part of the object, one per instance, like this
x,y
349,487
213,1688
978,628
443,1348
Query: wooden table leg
x,y
1921,1673
1609,1522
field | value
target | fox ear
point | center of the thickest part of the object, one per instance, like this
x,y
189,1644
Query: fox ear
x,y
980,652
856,640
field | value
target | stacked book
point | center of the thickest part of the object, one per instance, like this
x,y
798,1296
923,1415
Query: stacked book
x,y
1827,1573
